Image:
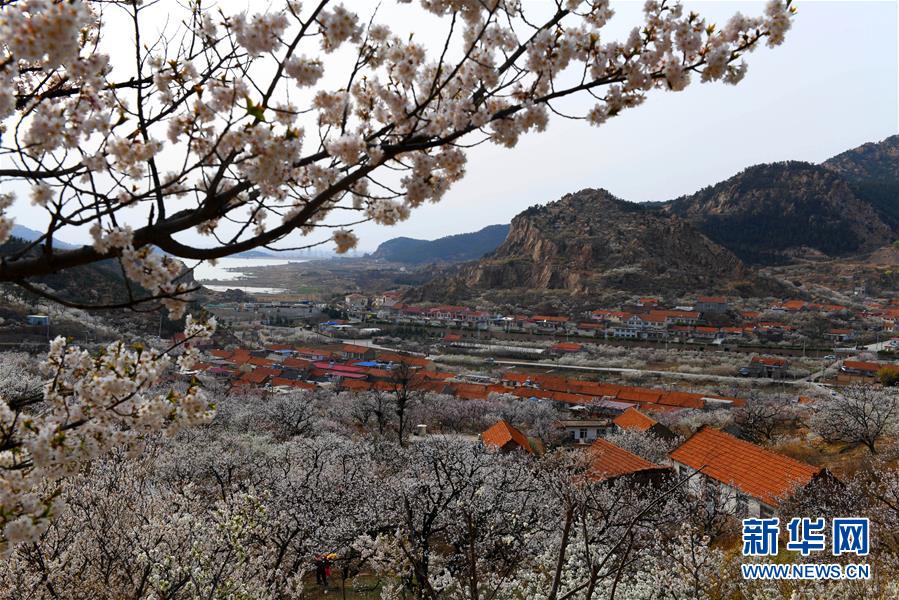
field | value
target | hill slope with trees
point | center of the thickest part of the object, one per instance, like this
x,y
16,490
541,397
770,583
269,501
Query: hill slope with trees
x,y
453,248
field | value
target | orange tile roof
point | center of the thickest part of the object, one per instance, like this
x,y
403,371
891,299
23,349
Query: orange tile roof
x,y
501,433
769,361
794,304
638,395
354,349
567,347
608,461
219,353
634,419
527,392
516,377
267,371
296,363
706,329
412,361
240,356
860,365
682,400
303,385
260,362
470,391
257,376
355,384
757,472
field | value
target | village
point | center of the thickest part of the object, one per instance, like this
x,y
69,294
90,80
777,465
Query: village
x,y
589,410
334,299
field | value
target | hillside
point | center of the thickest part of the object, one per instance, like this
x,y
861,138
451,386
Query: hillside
x,y
29,235
772,213
872,171
877,161
590,244
450,249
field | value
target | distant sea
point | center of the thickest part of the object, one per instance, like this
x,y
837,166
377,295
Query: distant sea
x,y
233,269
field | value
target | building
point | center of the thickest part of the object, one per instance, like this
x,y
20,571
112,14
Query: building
x,y
506,438
356,352
565,348
37,320
387,299
632,419
355,302
583,431
750,480
711,305
609,462
767,366
840,335
858,370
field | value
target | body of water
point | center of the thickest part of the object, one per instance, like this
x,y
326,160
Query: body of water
x,y
228,269
233,269
250,289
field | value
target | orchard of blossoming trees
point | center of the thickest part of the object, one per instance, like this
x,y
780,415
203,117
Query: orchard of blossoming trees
x,y
246,128
239,508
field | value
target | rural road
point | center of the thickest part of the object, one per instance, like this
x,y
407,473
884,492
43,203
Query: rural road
x,y
700,376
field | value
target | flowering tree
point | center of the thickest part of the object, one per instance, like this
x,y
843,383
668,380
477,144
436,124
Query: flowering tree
x,y
857,415
246,128
233,509
223,124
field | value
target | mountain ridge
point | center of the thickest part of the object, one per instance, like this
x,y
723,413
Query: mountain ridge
x,y
708,241
589,244
448,249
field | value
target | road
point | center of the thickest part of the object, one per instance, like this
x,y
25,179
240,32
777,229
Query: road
x,y
674,374
885,345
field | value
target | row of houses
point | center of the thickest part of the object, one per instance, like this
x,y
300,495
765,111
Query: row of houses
x,y
706,318
747,480
591,405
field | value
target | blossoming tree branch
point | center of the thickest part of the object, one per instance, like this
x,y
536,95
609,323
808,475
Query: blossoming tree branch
x,y
256,130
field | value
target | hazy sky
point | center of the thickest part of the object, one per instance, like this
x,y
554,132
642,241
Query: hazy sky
x,y
830,87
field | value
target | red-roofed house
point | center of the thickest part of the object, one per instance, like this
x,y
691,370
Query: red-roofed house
x,y
257,361
863,368
503,436
634,420
840,335
755,480
794,305
296,363
356,352
292,383
608,462
259,375
566,348
240,356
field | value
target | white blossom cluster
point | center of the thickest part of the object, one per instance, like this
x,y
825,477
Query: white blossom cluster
x,y
213,129
90,404
225,95
240,508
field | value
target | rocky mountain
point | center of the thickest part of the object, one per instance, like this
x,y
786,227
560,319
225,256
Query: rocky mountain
x,y
874,161
450,249
591,244
772,213
873,173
